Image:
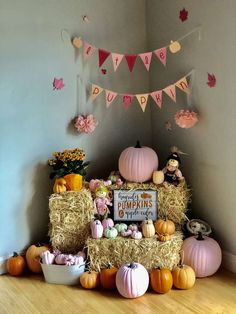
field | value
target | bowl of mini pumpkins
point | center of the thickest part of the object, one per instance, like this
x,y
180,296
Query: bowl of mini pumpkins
x,y
64,269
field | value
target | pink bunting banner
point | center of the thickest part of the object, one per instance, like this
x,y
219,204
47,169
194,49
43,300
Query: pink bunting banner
x,y
116,59
102,56
183,85
146,58
171,92
161,55
96,90
142,99
88,50
131,59
127,100
157,97
110,96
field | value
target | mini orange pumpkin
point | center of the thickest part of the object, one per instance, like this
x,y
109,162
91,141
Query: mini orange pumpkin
x,y
163,237
16,265
161,280
90,279
108,277
73,181
59,185
183,277
33,257
165,226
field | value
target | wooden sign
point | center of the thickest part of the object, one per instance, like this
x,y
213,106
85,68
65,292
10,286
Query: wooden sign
x,y
134,205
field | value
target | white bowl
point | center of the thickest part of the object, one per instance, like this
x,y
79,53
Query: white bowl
x,y
62,274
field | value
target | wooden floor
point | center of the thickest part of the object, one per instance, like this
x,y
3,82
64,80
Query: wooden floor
x,y
30,294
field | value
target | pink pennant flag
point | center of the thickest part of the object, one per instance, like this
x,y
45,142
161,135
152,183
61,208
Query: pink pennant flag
x,y
88,50
142,99
96,90
146,58
110,96
161,54
102,55
171,92
116,58
131,59
157,97
183,85
127,100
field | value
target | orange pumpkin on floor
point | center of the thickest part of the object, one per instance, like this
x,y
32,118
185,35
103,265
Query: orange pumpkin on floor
x,y
108,277
183,277
16,265
33,257
90,279
161,280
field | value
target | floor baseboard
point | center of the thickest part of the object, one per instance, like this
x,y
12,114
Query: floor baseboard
x,y
229,261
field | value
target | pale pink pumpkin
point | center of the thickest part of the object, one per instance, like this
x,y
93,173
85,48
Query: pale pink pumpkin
x,y
108,222
96,229
203,254
132,280
136,164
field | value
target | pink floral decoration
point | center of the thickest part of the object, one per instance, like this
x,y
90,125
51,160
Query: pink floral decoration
x,y
85,124
186,118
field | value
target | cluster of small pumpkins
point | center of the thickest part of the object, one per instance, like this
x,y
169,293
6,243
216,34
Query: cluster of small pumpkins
x,y
163,228
132,279
58,258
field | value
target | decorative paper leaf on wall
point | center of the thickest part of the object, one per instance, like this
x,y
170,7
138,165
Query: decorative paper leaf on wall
x,y
104,71
58,83
211,80
168,126
183,15
86,18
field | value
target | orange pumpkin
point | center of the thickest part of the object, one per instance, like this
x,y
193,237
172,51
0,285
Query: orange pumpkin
x,y
165,226
163,237
59,185
108,277
73,182
90,279
16,265
161,280
33,257
183,277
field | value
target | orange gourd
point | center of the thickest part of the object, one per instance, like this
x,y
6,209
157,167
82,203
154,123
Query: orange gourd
x,y
183,277
90,279
108,277
163,237
33,257
164,226
73,182
59,185
16,265
161,280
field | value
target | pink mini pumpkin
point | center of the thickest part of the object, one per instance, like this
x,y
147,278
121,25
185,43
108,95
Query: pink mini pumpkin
x,y
136,164
47,257
137,235
132,280
61,259
133,227
108,222
96,229
126,233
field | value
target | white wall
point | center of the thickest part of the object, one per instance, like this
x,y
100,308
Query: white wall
x,y
210,165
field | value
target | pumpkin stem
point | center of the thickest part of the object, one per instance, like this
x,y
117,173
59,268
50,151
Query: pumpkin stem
x,y
199,236
132,265
15,254
137,145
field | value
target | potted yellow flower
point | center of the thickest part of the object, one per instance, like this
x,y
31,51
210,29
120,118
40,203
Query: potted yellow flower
x,y
69,169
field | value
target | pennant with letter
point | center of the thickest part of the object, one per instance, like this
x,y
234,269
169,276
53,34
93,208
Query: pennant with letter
x,y
161,55
127,100
157,97
96,90
110,96
131,59
142,99
88,50
146,58
183,85
102,55
116,59
171,92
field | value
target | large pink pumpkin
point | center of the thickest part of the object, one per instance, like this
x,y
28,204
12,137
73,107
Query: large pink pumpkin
x,y
132,280
136,164
203,254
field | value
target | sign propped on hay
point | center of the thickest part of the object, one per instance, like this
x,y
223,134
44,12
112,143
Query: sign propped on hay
x,y
134,205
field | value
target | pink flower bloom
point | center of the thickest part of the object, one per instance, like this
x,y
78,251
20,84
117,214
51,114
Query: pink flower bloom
x,y
186,119
85,124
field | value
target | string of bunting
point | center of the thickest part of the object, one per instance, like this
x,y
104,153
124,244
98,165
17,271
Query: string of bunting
x,y
146,57
142,99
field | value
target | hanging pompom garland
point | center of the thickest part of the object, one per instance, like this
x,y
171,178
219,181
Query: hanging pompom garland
x,y
85,123
186,118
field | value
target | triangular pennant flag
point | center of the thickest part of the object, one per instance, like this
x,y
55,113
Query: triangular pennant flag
x,y
161,54
116,58
171,92
157,97
127,100
142,99
131,61
102,55
110,96
183,85
146,58
96,90
88,50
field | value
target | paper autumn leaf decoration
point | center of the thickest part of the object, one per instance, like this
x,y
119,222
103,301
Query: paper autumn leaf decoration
x,y
211,80
58,83
183,15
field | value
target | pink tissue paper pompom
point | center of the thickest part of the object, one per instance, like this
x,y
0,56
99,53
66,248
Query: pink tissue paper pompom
x,y
85,124
186,119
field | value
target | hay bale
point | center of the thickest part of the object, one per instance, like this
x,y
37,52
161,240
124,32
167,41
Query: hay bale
x,y
172,201
149,252
70,214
